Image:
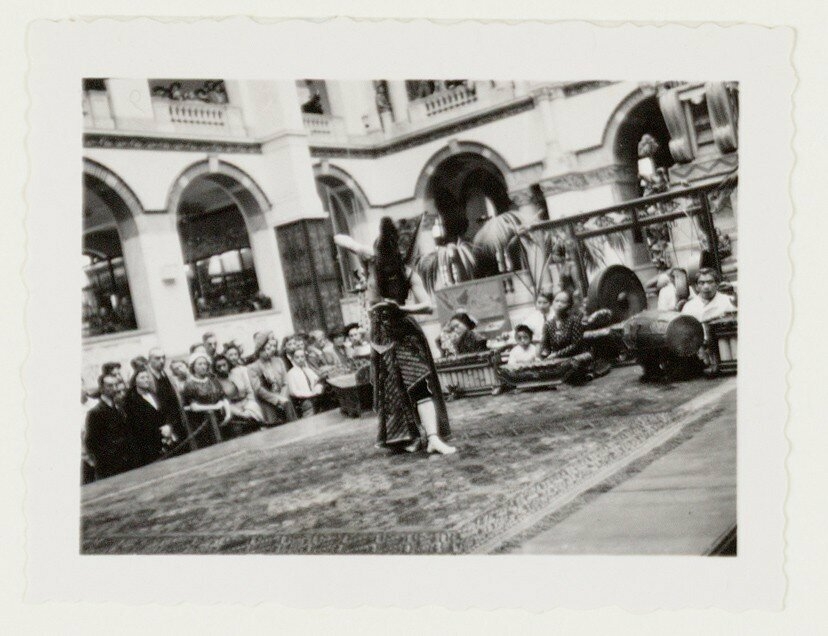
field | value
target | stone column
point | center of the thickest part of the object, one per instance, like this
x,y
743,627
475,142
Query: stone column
x,y
157,279
353,102
398,96
557,159
130,104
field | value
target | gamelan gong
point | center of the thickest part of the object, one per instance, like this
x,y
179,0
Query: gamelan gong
x,y
618,289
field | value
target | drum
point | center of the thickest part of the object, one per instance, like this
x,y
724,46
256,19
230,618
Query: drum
x,y
668,332
722,344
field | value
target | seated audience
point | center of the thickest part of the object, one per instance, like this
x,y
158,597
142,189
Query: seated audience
x,y
357,341
320,353
304,385
468,340
145,420
203,396
269,382
709,303
344,360
290,344
524,352
238,391
107,432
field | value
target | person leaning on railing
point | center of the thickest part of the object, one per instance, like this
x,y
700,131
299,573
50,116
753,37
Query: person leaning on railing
x,y
204,400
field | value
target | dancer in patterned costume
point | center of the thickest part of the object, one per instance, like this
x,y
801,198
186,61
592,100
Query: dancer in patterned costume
x,y
407,394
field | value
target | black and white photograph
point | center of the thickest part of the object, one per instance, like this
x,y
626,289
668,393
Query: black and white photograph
x,y
421,316
352,333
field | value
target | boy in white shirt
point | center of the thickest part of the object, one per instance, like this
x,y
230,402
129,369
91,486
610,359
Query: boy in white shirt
x,y
524,352
304,384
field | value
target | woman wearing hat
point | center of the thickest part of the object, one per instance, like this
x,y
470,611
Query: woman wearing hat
x,y
407,395
268,377
202,394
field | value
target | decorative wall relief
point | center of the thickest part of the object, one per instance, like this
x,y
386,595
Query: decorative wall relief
x,y
723,106
672,108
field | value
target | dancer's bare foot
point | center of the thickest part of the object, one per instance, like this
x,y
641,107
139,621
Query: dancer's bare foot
x,y
436,445
413,447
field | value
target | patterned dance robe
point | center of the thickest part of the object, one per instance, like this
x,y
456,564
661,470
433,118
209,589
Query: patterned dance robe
x,y
402,372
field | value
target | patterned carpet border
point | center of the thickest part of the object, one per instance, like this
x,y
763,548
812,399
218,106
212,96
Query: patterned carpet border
x,y
482,528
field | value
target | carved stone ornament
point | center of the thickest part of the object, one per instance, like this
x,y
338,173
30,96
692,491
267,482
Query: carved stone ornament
x,y
590,179
672,108
723,106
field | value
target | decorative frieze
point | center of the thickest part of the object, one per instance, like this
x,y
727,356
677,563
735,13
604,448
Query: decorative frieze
x,y
704,169
139,142
588,179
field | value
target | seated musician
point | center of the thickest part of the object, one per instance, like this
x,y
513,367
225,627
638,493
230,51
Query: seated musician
x,y
467,339
708,303
537,318
447,341
564,331
524,352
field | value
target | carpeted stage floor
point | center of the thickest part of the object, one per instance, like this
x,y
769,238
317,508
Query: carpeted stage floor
x,y
333,492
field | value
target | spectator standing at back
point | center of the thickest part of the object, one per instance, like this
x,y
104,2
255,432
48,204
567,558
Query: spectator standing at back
x,y
166,392
107,435
210,344
145,420
87,462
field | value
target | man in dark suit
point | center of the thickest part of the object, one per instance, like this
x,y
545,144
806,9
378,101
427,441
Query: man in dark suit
x,y
166,393
107,435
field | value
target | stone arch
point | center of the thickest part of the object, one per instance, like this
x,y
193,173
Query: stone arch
x,y
249,278
456,148
126,208
325,169
621,112
240,186
636,114
107,198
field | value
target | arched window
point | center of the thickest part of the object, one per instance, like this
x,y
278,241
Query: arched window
x,y
219,262
216,247
107,302
345,211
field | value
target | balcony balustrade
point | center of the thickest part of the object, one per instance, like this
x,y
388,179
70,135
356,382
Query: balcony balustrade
x,y
324,127
189,117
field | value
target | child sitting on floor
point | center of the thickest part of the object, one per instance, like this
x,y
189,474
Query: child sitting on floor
x,y
524,352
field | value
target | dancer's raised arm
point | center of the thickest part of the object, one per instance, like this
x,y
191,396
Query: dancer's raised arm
x,y
348,243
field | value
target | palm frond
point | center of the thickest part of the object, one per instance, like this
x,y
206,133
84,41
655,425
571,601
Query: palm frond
x,y
447,265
